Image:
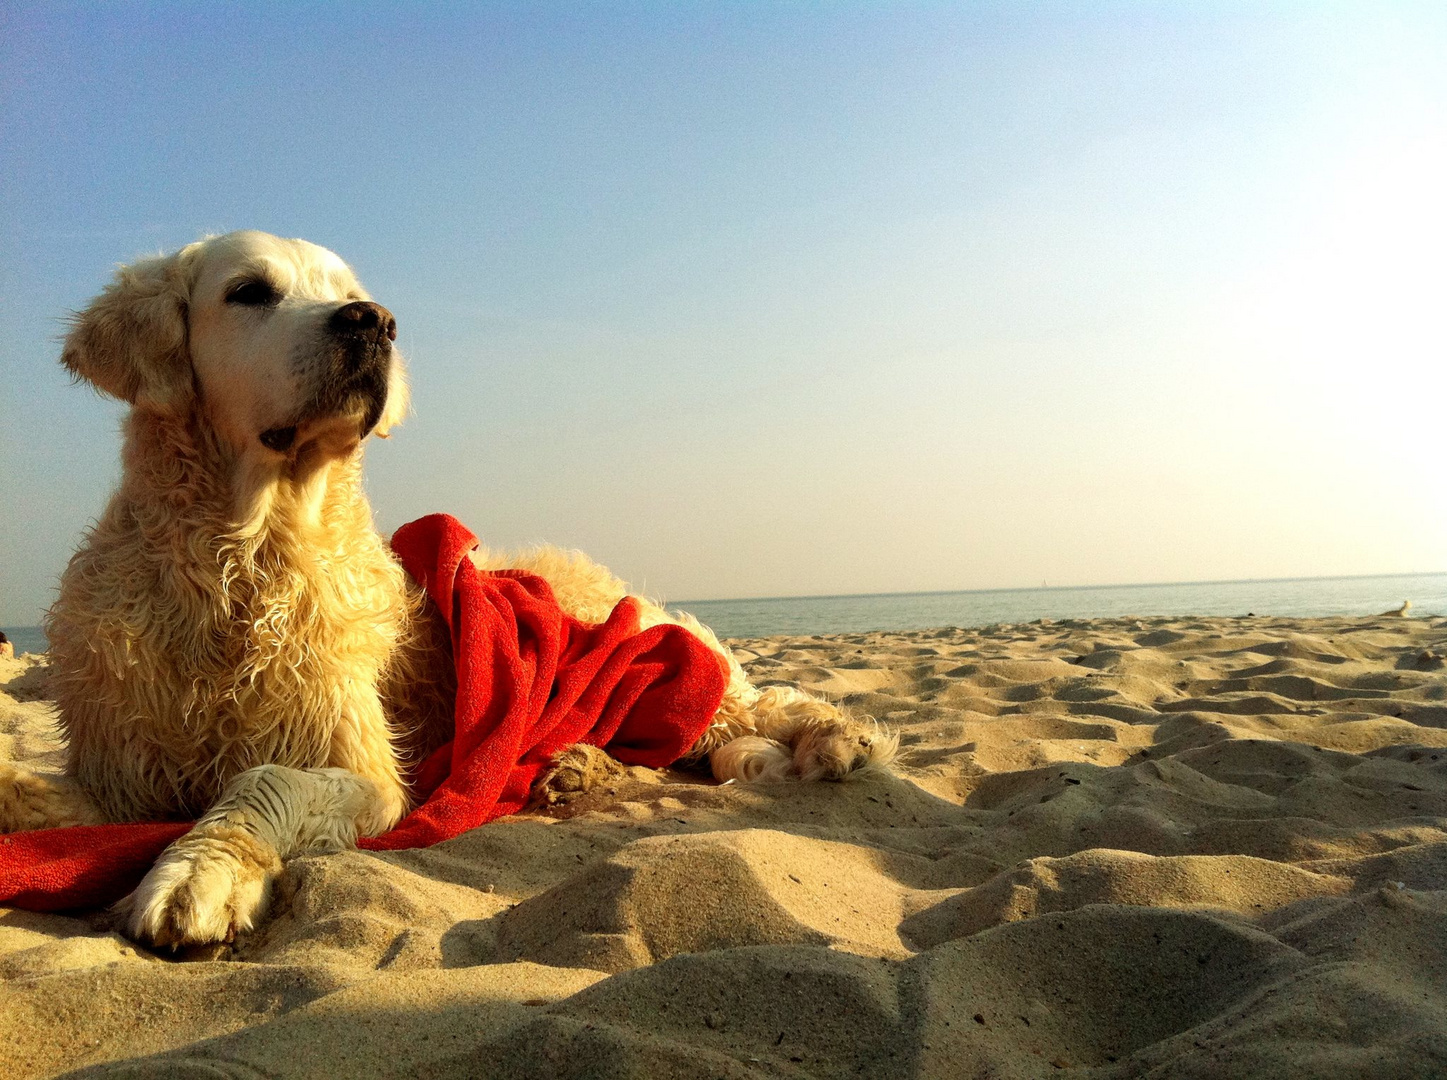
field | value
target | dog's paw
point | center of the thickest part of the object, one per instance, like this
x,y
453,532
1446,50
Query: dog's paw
x,y
206,887
751,760
572,771
28,801
833,749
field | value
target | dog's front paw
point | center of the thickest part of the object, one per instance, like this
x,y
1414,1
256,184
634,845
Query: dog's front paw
x,y
206,887
572,771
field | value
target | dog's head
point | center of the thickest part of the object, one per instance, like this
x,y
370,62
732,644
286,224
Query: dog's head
x,y
272,342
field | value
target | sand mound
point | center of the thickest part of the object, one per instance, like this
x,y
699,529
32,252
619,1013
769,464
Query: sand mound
x,y
1229,883
1175,847
665,895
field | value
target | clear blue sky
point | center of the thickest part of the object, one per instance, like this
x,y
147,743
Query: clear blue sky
x,y
754,299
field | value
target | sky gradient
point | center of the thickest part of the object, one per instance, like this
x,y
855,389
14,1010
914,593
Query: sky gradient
x,y
755,299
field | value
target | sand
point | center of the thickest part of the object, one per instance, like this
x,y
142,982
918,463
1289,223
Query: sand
x,y
1157,847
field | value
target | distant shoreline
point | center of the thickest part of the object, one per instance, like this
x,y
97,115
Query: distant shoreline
x,y
1063,588
1295,598
26,639
1355,596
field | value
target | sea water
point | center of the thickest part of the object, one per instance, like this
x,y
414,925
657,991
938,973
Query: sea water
x,y
1292,598
1295,598
25,638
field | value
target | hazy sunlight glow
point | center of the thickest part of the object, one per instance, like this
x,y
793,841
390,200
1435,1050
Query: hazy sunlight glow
x,y
780,300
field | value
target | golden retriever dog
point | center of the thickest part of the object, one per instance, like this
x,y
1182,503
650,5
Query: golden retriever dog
x,y
234,641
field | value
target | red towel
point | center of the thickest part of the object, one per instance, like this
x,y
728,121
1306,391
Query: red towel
x,y
530,681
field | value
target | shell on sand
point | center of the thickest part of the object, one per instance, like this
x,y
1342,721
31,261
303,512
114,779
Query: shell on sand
x,y
1208,847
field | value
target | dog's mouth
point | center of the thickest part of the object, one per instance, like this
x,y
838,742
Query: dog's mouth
x,y
332,434
280,439
340,416
318,438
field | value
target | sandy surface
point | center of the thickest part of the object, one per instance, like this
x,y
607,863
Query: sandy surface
x,y
1166,847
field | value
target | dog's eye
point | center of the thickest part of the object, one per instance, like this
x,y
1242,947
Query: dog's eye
x,y
253,294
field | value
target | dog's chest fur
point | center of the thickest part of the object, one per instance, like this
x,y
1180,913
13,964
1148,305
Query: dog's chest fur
x,y
186,652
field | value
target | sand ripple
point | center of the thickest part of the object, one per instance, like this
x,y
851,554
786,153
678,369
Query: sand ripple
x,y
1174,847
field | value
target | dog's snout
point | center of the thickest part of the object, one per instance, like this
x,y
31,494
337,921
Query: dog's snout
x,y
362,315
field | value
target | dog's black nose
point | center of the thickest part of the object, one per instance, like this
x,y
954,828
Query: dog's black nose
x,y
362,315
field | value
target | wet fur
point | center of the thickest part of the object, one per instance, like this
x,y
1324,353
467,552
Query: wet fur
x,y
234,641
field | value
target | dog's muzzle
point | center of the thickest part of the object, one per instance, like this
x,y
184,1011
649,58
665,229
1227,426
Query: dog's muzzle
x,y
365,332
355,376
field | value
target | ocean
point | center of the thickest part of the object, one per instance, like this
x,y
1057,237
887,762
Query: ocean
x,y
1294,597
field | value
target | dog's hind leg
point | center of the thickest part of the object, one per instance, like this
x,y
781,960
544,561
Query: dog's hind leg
x,y
782,732
36,801
778,732
215,881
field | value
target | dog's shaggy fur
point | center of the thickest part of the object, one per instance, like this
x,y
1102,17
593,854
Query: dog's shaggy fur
x,y
235,642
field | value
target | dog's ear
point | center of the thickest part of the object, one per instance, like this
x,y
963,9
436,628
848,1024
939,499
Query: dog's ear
x,y
131,341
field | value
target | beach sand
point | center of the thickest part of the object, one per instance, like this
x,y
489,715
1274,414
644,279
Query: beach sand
x,y
1163,847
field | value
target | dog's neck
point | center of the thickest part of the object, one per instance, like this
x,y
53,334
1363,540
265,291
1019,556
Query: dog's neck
x,y
249,541
181,472
175,616
308,551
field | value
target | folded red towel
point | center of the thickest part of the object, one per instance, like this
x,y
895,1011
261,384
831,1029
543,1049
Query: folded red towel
x,y
530,681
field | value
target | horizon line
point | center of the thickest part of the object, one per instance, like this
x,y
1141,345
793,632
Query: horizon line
x,y
1009,589
1059,588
